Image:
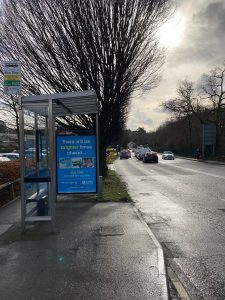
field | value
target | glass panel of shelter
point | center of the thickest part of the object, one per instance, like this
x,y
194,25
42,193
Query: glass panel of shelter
x,y
36,166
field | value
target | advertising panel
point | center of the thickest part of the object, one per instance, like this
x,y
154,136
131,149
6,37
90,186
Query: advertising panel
x,y
76,164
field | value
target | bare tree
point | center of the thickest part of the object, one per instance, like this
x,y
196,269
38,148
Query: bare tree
x,y
109,46
185,105
213,91
9,111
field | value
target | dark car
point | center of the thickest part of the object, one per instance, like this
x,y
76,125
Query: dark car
x,y
141,152
125,154
150,156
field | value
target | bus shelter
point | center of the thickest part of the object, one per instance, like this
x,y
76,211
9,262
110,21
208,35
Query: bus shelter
x,y
50,163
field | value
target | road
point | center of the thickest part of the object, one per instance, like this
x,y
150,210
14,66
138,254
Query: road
x,y
183,202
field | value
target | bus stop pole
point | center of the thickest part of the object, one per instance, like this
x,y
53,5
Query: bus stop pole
x,y
22,163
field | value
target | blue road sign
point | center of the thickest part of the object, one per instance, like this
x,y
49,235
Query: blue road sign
x,y
209,134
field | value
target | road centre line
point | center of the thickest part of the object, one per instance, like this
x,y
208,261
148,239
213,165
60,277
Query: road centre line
x,y
187,169
200,172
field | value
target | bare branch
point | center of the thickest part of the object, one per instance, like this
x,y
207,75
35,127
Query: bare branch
x,y
109,46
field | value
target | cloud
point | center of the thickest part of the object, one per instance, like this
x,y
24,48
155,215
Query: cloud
x,y
204,37
201,49
146,112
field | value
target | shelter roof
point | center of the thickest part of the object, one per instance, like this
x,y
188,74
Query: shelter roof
x,y
64,104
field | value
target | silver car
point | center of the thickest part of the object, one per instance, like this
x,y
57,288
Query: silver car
x,y
168,155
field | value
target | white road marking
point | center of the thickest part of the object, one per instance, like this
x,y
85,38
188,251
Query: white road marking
x,y
153,172
200,172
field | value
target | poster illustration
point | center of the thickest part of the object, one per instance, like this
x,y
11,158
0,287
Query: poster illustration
x,y
76,164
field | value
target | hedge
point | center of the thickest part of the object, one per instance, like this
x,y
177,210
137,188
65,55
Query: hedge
x,y
9,171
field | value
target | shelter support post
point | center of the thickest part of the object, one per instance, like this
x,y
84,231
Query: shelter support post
x,y
99,178
52,147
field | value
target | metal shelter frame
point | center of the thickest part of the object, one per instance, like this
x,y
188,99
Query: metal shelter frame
x,y
50,106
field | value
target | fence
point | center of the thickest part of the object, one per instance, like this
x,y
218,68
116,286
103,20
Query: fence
x,y
10,186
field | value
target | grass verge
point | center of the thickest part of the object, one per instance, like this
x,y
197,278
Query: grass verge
x,y
113,189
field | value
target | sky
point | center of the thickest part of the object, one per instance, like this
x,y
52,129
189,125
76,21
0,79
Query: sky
x,y
195,44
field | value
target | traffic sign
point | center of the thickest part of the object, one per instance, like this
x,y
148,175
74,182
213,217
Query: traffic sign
x,y
209,134
12,77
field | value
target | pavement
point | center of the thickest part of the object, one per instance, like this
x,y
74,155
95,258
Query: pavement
x,y
99,251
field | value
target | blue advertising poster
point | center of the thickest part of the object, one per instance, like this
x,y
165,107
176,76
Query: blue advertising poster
x,y
76,164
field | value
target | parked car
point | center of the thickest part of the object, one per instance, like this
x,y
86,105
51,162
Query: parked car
x,y
2,158
168,155
125,154
29,153
10,156
150,156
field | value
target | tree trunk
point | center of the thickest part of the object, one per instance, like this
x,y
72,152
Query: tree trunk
x,y
190,131
102,162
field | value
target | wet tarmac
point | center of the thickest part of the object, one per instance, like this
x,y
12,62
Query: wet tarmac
x,y
99,251
183,203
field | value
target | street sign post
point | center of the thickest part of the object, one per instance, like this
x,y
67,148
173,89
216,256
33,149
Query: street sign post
x,y
12,77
